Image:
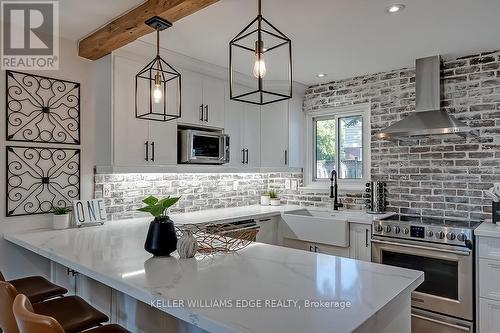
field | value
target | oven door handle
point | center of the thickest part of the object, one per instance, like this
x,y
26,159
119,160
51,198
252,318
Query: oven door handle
x,y
460,253
443,323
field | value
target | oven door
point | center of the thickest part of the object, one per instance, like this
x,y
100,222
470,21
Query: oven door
x,y
204,147
448,272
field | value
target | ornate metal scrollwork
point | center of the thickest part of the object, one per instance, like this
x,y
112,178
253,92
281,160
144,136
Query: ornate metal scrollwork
x,y
39,179
42,109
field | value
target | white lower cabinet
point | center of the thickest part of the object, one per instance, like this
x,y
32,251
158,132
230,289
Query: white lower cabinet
x,y
489,316
359,244
488,284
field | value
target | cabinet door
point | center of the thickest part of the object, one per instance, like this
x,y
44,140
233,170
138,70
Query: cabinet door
x,y
251,128
331,250
297,244
130,133
489,316
213,101
163,142
274,134
234,127
359,239
296,133
191,98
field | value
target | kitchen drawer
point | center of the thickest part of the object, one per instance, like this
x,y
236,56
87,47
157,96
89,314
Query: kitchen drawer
x,y
489,247
489,279
489,316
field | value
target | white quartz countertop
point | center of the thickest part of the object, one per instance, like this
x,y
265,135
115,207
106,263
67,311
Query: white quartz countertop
x,y
226,215
488,229
113,254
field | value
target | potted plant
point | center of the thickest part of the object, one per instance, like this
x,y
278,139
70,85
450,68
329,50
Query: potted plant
x,y
274,199
61,216
265,199
161,239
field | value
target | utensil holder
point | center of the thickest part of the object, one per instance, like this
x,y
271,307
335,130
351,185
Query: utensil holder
x,y
495,212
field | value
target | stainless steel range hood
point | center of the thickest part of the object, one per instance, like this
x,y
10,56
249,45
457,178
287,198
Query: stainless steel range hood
x,y
428,118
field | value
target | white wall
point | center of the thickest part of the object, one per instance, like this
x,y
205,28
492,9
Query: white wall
x,y
15,262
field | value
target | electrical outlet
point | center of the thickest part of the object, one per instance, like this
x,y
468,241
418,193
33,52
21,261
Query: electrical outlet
x,y
295,185
235,186
287,184
106,191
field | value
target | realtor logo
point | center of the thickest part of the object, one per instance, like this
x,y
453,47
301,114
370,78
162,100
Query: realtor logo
x,y
30,35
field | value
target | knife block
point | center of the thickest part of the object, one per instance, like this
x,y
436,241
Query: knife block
x,y
496,212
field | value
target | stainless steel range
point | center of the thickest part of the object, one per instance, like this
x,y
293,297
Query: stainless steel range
x,y
444,250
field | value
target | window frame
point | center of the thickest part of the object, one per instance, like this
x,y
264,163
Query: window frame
x,y
310,181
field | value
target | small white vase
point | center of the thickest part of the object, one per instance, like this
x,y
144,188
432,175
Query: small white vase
x,y
265,200
275,202
60,221
187,245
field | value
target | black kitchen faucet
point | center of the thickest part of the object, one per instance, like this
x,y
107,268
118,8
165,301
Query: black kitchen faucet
x,y
333,191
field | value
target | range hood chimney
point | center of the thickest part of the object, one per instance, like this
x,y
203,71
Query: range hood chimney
x,y
428,118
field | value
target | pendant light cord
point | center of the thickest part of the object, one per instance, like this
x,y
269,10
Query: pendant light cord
x,y
260,7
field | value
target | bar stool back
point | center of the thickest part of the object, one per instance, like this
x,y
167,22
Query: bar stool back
x,y
30,322
7,320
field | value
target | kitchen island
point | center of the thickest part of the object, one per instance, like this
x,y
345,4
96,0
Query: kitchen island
x,y
262,288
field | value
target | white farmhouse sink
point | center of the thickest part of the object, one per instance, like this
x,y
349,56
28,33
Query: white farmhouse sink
x,y
317,226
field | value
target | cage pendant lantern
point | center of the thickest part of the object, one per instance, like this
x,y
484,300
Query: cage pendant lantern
x,y
260,63
158,85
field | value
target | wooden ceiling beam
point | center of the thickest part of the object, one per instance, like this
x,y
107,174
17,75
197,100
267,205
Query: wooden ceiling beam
x,y
130,26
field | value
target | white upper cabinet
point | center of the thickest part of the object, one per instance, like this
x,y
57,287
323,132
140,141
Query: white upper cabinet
x,y
296,133
202,100
274,135
130,135
192,98
242,124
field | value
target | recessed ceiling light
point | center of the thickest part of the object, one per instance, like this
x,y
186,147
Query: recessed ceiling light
x,y
321,75
396,8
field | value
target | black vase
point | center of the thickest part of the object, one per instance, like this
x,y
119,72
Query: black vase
x,y
162,238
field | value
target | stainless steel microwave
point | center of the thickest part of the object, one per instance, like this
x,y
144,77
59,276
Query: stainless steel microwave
x,y
203,147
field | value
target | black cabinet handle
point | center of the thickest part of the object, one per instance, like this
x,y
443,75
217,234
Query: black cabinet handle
x,y
315,249
246,159
243,156
310,248
206,112
201,112
286,156
152,151
147,151
366,238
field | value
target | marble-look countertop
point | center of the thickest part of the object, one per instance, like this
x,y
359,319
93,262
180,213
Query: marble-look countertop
x,y
113,254
226,215
488,229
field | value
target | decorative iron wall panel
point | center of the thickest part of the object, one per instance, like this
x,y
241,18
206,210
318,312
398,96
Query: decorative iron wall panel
x,y
42,109
40,178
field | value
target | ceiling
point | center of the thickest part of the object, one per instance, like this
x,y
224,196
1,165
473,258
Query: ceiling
x,y
341,38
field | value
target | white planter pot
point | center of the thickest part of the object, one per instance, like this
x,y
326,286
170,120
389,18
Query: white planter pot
x,y
60,221
275,202
265,200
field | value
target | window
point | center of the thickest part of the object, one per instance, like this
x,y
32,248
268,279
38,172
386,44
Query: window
x,y
339,140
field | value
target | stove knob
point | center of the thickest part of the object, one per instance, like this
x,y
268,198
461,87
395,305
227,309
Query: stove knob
x,y
462,237
397,229
440,235
406,231
388,228
430,233
379,228
450,236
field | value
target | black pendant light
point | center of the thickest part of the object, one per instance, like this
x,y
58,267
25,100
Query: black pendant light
x,y
158,85
263,53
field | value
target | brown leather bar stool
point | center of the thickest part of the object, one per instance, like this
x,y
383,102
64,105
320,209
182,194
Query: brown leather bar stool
x,y
36,288
72,312
30,322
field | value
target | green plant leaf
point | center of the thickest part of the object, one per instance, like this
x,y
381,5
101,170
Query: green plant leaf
x,y
150,201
